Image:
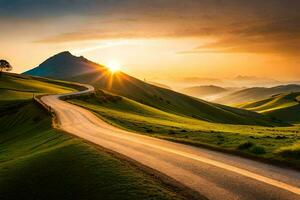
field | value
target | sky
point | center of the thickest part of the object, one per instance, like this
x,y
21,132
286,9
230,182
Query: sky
x,y
158,39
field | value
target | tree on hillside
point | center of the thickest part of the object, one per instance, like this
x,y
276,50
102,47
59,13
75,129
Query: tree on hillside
x,y
5,66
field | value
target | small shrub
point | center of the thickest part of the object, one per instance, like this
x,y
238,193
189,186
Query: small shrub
x,y
279,137
104,97
149,130
257,149
172,132
245,145
36,119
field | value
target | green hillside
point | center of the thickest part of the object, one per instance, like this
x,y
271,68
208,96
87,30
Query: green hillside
x,y
256,93
20,87
66,66
173,102
38,162
285,107
132,115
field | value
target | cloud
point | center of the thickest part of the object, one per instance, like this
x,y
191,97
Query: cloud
x,y
271,36
234,25
105,45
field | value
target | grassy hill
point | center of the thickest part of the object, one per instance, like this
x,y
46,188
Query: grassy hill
x,y
17,86
203,91
68,67
256,93
265,142
285,107
38,162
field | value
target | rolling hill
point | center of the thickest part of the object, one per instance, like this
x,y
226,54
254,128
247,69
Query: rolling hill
x,y
65,66
39,162
203,91
276,143
285,107
256,93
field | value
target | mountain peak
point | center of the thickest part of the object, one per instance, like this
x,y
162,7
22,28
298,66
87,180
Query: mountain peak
x,y
63,65
63,53
66,55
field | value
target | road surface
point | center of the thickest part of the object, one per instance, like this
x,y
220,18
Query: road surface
x,y
215,175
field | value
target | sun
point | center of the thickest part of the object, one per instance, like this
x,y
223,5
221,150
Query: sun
x,y
113,66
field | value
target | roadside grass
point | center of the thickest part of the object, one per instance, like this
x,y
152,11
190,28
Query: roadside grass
x,y
131,115
39,162
292,151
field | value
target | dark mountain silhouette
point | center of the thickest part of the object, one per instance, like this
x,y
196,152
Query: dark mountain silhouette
x,y
65,66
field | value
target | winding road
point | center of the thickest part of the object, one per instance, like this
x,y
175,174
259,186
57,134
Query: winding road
x,y
215,175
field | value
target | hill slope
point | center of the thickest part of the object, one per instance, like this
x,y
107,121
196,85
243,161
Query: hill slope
x,y
68,67
256,93
285,107
131,115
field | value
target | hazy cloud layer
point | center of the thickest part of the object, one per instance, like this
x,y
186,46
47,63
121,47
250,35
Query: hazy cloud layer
x,y
231,25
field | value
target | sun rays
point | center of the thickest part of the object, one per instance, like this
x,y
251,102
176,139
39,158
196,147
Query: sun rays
x,y
113,66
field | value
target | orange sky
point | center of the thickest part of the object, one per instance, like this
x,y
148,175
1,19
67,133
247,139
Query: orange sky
x,y
159,39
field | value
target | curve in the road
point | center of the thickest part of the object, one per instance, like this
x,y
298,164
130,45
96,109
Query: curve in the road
x,y
213,174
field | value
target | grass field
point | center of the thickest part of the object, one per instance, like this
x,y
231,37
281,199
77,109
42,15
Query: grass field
x,y
259,141
38,162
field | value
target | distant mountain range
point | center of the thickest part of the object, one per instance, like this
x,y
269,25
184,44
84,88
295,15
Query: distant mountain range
x,y
203,91
256,93
65,66
233,82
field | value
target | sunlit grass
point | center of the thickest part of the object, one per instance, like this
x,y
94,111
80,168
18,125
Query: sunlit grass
x,y
285,107
292,151
131,115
